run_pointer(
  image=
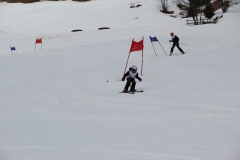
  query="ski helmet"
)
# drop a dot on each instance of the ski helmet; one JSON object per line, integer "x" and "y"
{"x": 134, "y": 67}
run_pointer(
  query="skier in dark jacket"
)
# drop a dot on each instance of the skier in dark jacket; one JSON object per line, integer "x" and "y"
{"x": 131, "y": 75}
{"x": 175, "y": 41}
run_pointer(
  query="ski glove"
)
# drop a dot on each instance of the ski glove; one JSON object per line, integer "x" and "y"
{"x": 140, "y": 79}
{"x": 123, "y": 79}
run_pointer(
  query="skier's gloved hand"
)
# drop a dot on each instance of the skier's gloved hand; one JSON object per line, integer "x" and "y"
{"x": 123, "y": 79}
{"x": 140, "y": 79}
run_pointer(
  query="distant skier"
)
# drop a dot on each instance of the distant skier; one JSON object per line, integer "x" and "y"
{"x": 175, "y": 41}
{"x": 131, "y": 75}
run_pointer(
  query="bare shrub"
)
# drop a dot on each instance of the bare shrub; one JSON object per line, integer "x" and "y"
{"x": 81, "y": 0}
{"x": 165, "y": 6}
{"x": 225, "y": 5}
{"x": 23, "y": 1}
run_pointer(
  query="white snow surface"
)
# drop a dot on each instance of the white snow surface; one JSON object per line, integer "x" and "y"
{"x": 56, "y": 104}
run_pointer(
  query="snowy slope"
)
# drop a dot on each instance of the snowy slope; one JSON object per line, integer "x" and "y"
{"x": 55, "y": 104}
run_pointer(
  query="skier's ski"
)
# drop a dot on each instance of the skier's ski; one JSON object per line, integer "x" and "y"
{"x": 128, "y": 92}
{"x": 132, "y": 92}
{"x": 138, "y": 91}
{"x": 177, "y": 54}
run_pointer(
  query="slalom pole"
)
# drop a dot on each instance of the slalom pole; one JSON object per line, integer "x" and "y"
{"x": 154, "y": 49}
{"x": 162, "y": 47}
{"x": 126, "y": 64}
{"x": 41, "y": 43}
{"x": 153, "y": 46}
{"x": 142, "y": 57}
{"x": 142, "y": 63}
{"x": 11, "y": 50}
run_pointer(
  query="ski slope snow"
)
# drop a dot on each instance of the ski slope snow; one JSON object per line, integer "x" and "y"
{"x": 56, "y": 104}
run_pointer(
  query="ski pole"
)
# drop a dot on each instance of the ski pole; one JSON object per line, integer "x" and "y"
{"x": 184, "y": 44}
{"x": 170, "y": 46}
{"x": 114, "y": 80}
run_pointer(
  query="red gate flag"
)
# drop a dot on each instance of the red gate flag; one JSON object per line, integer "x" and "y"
{"x": 38, "y": 40}
{"x": 136, "y": 46}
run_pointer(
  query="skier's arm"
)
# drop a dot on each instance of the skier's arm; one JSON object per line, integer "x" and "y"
{"x": 125, "y": 75}
{"x": 140, "y": 79}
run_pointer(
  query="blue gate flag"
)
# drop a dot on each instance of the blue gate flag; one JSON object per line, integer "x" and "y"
{"x": 153, "y": 39}
{"x": 13, "y": 48}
